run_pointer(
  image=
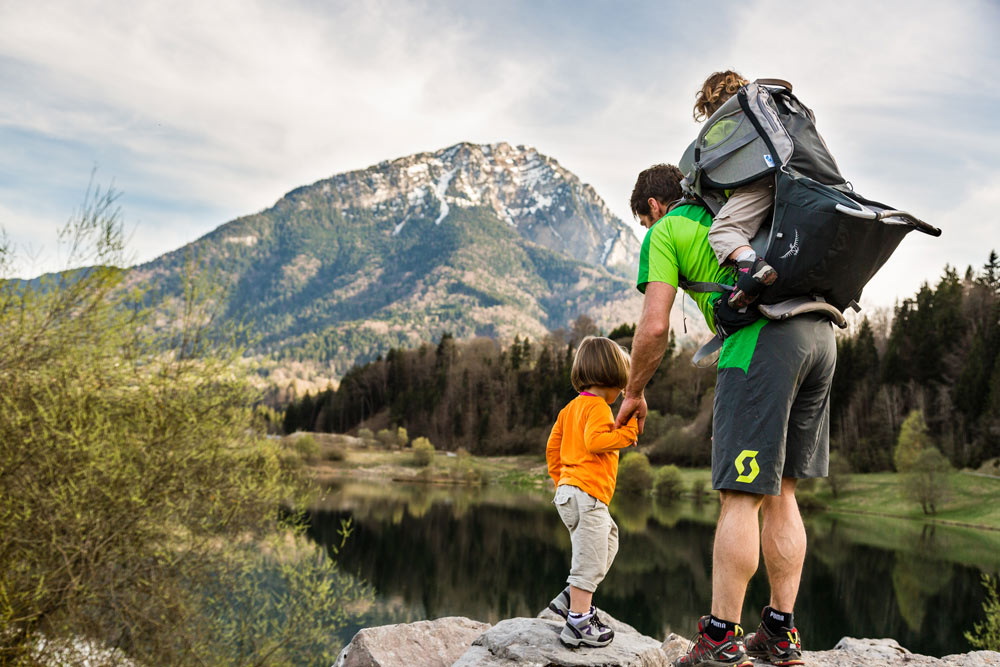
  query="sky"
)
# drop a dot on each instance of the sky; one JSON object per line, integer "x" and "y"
{"x": 199, "y": 112}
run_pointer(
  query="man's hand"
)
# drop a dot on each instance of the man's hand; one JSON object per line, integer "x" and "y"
{"x": 632, "y": 407}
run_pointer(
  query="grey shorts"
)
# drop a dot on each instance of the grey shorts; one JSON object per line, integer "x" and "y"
{"x": 772, "y": 404}
{"x": 592, "y": 532}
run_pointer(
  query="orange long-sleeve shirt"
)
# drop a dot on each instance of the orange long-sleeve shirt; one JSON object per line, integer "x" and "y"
{"x": 583, "y": 446}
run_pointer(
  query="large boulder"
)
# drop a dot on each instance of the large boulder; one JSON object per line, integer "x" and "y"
{"x": 436, "y": 643}
{"x": 534, "y": 642}
{"x": 850, "y": 652}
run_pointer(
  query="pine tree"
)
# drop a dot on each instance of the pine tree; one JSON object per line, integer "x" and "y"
{"x": 991, "y": 273}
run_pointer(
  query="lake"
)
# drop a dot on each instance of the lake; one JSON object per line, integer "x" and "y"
{"x": 491, "y": 553}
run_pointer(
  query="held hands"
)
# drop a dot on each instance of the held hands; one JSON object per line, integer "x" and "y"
{"x": 632, "y": 407}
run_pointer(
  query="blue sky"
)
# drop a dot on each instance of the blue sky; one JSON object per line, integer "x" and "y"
{"x": 201, "y": 112}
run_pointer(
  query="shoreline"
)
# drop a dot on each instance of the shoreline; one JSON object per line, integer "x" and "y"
{"x": 357, "y": 461}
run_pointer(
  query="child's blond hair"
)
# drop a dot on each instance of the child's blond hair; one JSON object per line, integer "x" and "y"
{"x": 718, "y": 88}
{"x": 599, "y": 362}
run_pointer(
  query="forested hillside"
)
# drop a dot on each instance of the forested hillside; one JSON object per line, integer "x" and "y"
{"x": 476, "y": 240}
{"x": 939, "y": 354}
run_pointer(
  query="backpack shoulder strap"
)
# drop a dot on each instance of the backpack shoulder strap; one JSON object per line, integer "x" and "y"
{"x": 775, "y": 82}
{"x": 689, "y": 286}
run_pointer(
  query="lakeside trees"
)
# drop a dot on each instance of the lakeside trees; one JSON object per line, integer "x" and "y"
{"x": 940, "y": 355}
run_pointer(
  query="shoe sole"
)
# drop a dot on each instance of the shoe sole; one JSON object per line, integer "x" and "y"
{"x": 773, "y": 660}
{"x": 573, "y": 642}
{"x": 778, "y": 663}
{"x": 588, "y": 645}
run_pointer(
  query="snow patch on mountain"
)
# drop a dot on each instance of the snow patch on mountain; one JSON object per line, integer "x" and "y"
{"x": 527, "y": 190}
{"x": 440, "y": 189}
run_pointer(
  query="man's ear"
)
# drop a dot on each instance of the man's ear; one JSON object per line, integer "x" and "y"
{"x": 656, "y": 209}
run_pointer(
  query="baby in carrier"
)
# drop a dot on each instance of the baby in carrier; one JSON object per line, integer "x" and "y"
{"x": 744, "y": 211}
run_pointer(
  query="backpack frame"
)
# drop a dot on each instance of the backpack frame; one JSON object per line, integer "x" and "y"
{"x": 825, "y": 240}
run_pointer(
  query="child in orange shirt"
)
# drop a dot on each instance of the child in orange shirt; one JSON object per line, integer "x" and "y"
{"x": 582, "y": 455}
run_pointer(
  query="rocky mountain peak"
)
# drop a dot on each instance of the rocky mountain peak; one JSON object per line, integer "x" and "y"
{"x": 528, "y": 190}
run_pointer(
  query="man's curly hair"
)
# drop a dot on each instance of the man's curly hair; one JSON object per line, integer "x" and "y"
{"x": 662, "y": 182}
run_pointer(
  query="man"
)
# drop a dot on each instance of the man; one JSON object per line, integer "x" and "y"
{"x": 770, "y": 425}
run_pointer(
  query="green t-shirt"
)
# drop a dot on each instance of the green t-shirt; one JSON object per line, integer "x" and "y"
{"x": 676, "y": 248}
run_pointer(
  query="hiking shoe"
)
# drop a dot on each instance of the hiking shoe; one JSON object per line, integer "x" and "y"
{"x": 752, "y": 277}
{"x": 560, "y": 603}
{"x": 589, "y": 632}
{"x": 709, "y": 653}
{"x": 782, "y": 648}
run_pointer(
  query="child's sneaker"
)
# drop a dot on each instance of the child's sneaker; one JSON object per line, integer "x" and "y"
{"x": 781, "y": 648}
{"x": 726, "y": 653}
{"x": 586, "y": 631}
{"x": 560, "y": 603}
{"x": 753, "y": 275}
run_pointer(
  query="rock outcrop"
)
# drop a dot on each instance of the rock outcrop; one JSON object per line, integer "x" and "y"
{"x": 437, "y": 643}
{"x": 534, "y": 642}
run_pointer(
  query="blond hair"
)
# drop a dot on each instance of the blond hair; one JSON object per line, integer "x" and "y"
{"x": 718, "y": 88}
{"x": 599, "y": 362}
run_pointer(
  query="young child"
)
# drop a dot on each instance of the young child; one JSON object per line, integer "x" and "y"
{"x": 582, "y": 455}
{"x": 744, "y": 211}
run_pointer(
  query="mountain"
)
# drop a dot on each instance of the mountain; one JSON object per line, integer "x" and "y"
{"x": 477, "y": 240}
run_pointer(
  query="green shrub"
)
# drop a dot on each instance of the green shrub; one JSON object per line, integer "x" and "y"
{"x": 678, "y": 444}
{"x": 698, "y": 489}
{"x": 386, "y": 438}
{"x": 635, "y": 475}
{"x": 423, "y": 452}
{"x": 986, "y": 635}
{"x": 136, "y": 502}
{"x": 366, "y": 436}
{"x": 667, "y": 483}
{"x": 402, "y": 438}
{"x": 306, "y": 447}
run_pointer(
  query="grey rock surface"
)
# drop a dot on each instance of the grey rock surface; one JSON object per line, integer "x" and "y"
{"x": 534, "y": 642}
{"x": 850, "y": 652}
{"x": 436, "y": 643}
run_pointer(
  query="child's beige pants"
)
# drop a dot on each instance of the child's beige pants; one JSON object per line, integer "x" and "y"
{"x": 593, "y": 533}
{"x": 740, "y": 217}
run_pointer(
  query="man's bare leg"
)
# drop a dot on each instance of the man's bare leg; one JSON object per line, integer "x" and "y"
{"x": 783, "y": 541}
{"x": 736, "y": 554}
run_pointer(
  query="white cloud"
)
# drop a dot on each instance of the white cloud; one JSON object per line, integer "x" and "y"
{"x": 205, "y": 111}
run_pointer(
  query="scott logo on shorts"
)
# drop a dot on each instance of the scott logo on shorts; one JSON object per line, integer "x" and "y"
{"x": 754, "y": 468}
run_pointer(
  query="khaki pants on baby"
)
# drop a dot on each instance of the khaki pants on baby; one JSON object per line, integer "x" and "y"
{"x": 741, "y": 217}
{"x": 593, "y": 533}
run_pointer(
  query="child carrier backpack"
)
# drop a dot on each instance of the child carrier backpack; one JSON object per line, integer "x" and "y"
{"x": 824, "y": 239}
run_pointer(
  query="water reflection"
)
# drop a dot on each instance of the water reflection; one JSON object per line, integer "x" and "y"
{"x": 491, "y": 553}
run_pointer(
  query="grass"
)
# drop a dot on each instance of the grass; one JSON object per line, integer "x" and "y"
{"x": 970, "y": 500}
